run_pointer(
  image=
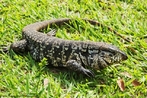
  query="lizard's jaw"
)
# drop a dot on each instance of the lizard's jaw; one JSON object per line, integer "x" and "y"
{"x": 120, "y": 57}
{"x": 109, "y": 58}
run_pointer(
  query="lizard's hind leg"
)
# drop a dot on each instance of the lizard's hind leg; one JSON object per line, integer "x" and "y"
{"x": 19, "y": 46}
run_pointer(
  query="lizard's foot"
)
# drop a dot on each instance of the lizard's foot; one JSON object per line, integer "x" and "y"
{"x": 87, "y": 72}
{"x": 52, "y": 32}
{"x": 75, "y": 66}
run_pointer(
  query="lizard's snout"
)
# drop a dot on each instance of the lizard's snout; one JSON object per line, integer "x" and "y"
{"x": 124, "y": 56}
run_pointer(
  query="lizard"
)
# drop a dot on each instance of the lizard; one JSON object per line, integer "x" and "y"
{"x": 78, "y": 56}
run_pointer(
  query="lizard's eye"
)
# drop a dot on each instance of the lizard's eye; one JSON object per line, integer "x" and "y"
{"x": 103, "y": 53}
{"x": 110, "y": 55}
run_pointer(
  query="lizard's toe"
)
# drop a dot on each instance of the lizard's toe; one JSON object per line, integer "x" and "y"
{"x": 88, "y": 73}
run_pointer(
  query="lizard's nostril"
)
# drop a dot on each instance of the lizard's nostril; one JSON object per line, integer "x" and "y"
{"x": 124, "y": 56}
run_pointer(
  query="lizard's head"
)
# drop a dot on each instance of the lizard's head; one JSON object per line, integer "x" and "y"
{"x": 110, "y": 57}
{"x": 107, "y": 55}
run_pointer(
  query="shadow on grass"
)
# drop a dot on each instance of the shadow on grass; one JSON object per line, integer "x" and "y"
{"x": 64, "y": 75}
{"x": 101, "y": 77}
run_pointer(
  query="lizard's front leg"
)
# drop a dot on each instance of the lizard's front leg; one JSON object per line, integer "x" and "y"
{"x": 75, "y": 66}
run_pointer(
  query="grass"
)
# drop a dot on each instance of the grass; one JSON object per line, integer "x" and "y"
{"x": 21, "y": 76}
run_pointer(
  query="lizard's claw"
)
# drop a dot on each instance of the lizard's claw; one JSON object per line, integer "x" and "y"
{"x": 88, "y": 73}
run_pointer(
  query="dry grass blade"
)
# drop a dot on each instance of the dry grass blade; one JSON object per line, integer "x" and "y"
{"x": 121, "y": 84}
{"x": 126, "y": 74}
{"x": 136, "y": 83}
{"x": 45, "y": 82}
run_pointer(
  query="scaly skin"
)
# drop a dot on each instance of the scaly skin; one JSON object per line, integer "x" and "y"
{"x": 75, "y": 55}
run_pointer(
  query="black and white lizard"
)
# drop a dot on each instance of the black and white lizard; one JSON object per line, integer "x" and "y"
{"x": 75, "y": 55}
